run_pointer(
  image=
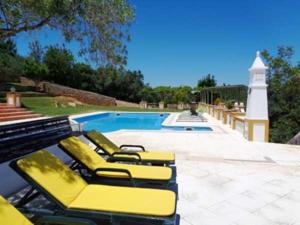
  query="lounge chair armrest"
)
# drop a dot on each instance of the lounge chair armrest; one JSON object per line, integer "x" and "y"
{"x": 142, "y": 148}
{"x": 127, "y": 153}
{"x": 63, "y": 220}
{"x": 116, "y": 170}
{"x": 123, "y": 159}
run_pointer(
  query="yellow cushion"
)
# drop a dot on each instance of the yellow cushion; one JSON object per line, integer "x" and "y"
{"x": 103, "y": 141}
{"x": 9, "y": 215}
{"x": 87, "y": 156}
{"x": 152, "y": 156}
{"x": 53, "y": 175}
{"x": 140, "y": 201}
{"x": 82, "y": 152}
{"x": 138, "y": 171}
{"x": 159, "y": 156}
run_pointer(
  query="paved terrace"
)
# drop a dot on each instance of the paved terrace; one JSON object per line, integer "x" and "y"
{"x": 226, "y": 180}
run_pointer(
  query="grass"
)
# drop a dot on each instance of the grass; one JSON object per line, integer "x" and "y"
{"x": 46, "y": 106}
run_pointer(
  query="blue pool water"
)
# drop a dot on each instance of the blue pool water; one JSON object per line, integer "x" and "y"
{"x": 107, "y": 122}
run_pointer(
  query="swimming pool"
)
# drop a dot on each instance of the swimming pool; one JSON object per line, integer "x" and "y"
{"x": 107, "y": 122}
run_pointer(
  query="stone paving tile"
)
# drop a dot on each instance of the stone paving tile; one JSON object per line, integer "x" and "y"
{"x": 294, "y": 196}
{"x": 250, "y": 202}
{"x": 253, "y": 219}
{"x": 195, "y": 215}
{"x": 184, "y": 222}
{"x": 284, "y": 210}
{"x": 264, "y": 174}
{"x": 191, "y": 168}
{"x": 215, "y": 180}
{"x": 281, "y": 212}
{"x": 242, "y": 196}
{"x": 230, "y": 212}
{"x": 202, "y": 193}
{"x": 277, "y": 186}
{"x": 230, "y": 169}
{"x": 225, "y": 180}
{"x": 293, "y": 181}
{"x": 203, "y": 198}
{"x": 261, "y": 195}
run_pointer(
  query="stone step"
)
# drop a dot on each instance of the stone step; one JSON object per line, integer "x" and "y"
{"x": 7, "y": 106}
{"x": 17, "y": 113}
{"x": 19, "y": 117}
{"x": 6, "y": 110}
{"x": 9, "y": 113}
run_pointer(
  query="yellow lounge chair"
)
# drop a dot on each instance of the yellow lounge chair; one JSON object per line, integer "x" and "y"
{"x": 119, "y": 154}
{"x": 74, "y": 197}
{"x": 99, "y": 168}
{"x": 9, "y": 215}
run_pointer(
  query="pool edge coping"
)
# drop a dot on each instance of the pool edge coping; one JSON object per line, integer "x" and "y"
{"x": 170, "y": 121}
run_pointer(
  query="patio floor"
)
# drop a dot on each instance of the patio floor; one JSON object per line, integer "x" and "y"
{"x": 225, "y": 180}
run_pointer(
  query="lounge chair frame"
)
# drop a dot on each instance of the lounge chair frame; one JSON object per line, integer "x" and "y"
{"x": 115, "y": 158}
{"x": 63, "y": 220}
{"x": 113, "y": 218}
{"x": 92, "y": 176}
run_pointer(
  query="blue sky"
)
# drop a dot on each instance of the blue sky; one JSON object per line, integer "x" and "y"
{"x": 176, "y": 42}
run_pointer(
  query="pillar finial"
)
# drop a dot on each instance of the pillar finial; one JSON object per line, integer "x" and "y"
{"x": 258, "y": 64}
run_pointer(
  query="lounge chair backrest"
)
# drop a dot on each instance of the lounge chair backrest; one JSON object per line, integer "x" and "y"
{"x": 9, "y": 215}
{"x": 51, "y": 174}
{"x": 103, "y": 142}
{"x": 82, "y": 152}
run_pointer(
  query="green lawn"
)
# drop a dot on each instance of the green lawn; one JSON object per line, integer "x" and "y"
{"x": 45, "y": 106}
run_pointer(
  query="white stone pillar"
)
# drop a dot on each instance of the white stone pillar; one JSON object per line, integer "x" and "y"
{"x": 161, "y": 105}
{"x": 257, "y": 119}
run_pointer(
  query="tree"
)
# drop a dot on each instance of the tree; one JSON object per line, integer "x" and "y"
{"x": 207, "y": 81}
{"x": 84, "y": 77}
{"x": 132, "y": 85}
{"x": 36, "y": 51}
{"x": 8, "y": 46}
{"x": 60, "y": 63}
{"x": 109, "y": 81}
{"x": 164, "y": 93}
{"x": 182, "y": 94}
{"x": 35, "y": 70}
{"x": 283, "y": 79}
{"x": 11, "y": 64}
{"x": 147, "y": 94}
{"x": 120, "y": 83}
{"x": 99, "y": 25}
